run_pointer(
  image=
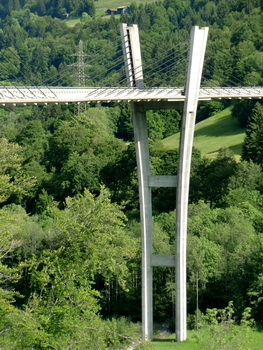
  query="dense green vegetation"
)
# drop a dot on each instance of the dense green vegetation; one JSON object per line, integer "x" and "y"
{"x": 69, "y": 216}
{"x": 54, "y": 8}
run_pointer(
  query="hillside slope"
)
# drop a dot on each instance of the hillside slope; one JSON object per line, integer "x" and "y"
{"x": 220, "y": 130}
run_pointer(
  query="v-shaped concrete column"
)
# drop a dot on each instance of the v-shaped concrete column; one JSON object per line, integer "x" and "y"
{"x": 133, "y": 65}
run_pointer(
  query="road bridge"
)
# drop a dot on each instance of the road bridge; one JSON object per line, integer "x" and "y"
{"x": 42, "y": 94}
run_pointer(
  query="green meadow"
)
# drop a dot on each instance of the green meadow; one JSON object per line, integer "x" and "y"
{"x": 219, "y": 131}
{"x": 101, "y": 6}
{"x": 71, "y": 22}
{"x": 252, "y": 339}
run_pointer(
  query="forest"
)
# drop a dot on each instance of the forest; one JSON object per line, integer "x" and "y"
{"x": 70, "y": 248}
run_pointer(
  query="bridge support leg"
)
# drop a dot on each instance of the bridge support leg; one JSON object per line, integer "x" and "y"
{"x": 143, "y": 165}
{"x": 195, "y": 66}
{"x": 134, "y": 74}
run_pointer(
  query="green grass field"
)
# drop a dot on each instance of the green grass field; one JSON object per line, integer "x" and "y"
{"x": 254, "y": 341}
{"x": 71, "y": 22}
{"x": 218, "y": 131}
{"x": 105, "y": 4}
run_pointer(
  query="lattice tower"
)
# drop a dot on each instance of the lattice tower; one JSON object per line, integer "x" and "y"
{"x": 80, "y": 107}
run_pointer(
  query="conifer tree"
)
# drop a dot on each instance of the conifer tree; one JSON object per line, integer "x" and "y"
{"x": 253, "y": 144}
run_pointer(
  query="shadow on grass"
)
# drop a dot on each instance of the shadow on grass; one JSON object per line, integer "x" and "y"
{"x": 223, "y": 126}
{"x": 236, "y": 149}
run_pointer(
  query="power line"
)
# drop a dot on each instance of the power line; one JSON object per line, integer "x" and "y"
{"x": 26, "y": 78}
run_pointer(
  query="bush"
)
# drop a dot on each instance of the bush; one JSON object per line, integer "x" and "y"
{"x": 225, "y": 333}
{"x": 208, "y": 109}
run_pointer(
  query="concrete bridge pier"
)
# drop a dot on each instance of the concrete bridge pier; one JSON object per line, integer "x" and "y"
{"x": 133, "y": 64}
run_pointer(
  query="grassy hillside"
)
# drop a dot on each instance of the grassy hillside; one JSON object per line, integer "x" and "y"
{"x": 220, "y": 130}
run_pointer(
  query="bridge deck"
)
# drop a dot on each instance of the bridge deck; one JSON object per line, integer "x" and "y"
{"x": 78, "y": 94}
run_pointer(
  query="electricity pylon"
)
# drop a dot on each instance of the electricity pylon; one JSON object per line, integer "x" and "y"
{"x": 80, "y": 107}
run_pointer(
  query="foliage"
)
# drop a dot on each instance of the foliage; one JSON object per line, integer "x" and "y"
{"x": 224, "y": 244}
{"x": 123, "y": 121}
{"x": 224, "y": 333}
{"x": 78, "y": 151}
{"x": 242, "y": 110}
{"x": 211, "y": 178}
{"x": 253, "y": 144}
{"x": 256, "y": 295}
{"x": 49, "y": 7}
{"x": 86, "y": 242}
{"x": 13, "y": 179}
{"x": 11, "y": 223}
{"x": 208, "y": 109}
{"x": 162, "y": 123}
